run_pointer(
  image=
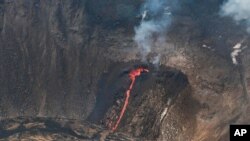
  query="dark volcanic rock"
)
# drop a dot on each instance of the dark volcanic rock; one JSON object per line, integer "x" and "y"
{"x": 62, "y": 60}
{"x": 46, "y": 48}
{"x": 48, "y": 129}
{"x": 154, "y": 94}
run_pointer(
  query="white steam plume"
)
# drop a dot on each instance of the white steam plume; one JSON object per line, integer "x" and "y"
{"x": 156, "y": 18}
{"x": 237, "y": 9}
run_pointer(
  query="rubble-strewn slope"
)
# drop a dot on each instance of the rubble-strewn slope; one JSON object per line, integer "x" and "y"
{"x": 49, "y": 129}
{"x": 55, "y": 54}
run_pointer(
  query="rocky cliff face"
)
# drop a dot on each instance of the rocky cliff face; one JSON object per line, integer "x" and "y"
{"x": 45, "y": 52}
{"x": 66, "y": 59}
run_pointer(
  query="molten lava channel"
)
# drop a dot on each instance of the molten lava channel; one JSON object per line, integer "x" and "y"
{"x": 132, "y": 75}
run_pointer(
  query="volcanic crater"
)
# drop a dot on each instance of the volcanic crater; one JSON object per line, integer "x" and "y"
{"x": 65, "y": 71}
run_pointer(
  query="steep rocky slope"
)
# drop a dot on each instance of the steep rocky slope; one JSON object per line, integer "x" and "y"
{"x": 68, "y": 59}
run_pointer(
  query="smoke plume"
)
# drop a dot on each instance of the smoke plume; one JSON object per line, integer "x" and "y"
{"x": 237, "y": 9}
{"x": 156, "y": 18}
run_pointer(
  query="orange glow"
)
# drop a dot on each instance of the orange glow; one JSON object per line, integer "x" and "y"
{"x": 132, "y": 75}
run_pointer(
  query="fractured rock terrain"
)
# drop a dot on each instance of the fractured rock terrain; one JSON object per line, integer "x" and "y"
{"x": 64, "y": 71}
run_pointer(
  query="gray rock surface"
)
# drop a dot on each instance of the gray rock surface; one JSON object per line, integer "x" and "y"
{"x": 55, "y": 54}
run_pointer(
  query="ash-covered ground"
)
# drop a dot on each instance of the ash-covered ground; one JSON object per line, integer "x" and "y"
{"x": 64, "y": 69}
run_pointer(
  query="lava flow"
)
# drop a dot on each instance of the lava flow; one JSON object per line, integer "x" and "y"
{"x": 132, "y": 75}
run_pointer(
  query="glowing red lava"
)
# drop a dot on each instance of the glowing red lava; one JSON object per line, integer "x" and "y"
{"x": 132, "y": 75}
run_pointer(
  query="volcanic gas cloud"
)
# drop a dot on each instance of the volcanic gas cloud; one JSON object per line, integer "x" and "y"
{"x": 132, "y": 75}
